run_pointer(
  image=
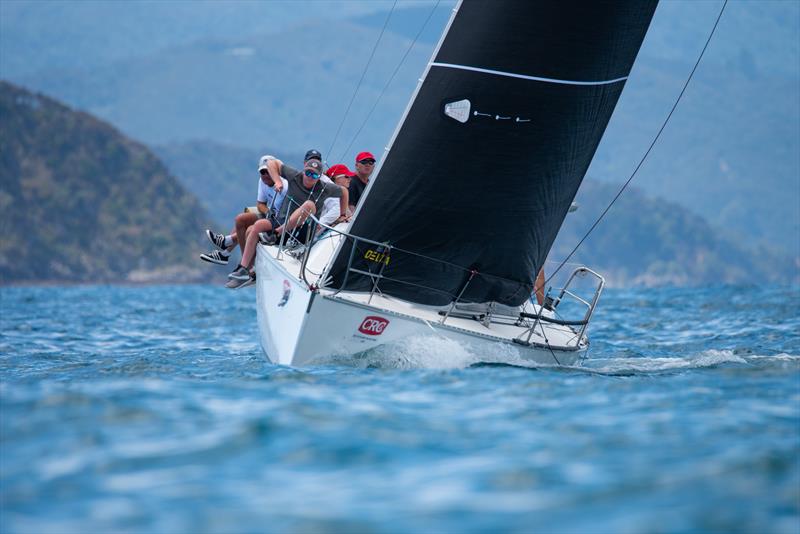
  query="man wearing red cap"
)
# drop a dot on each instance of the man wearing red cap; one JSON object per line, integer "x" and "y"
{"x": 267, "y": 202}
{"x": 365, "y": 163}
{"x": 331, "y": 212}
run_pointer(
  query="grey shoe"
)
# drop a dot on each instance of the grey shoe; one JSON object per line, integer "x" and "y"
{"x": 235, "y": 283}
{"x": 291, "y": 243}
{"x": 267, "y": 238}
{"x": 217, "y": 256}
{"x": 218, "y": 240}
{"x": 297, "y": 251}
{"x": 240, "y": 273}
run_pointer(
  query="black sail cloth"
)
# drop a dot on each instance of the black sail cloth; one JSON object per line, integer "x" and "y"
{"x": 484, "y": 193}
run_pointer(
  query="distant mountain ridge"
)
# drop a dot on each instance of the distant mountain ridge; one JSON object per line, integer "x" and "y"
{"x": 82, "y": 203}
{"x": 642, "y": 241}
{"x": 731, "y": 152}
{"x": 283, "y": 90}
{"x": 129, "y": 30}
{"x": 79, "y": 202}
{"x": 646, "y": 241}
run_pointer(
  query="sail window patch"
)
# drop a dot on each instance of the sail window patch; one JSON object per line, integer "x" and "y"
{"x": 458, "y": 110}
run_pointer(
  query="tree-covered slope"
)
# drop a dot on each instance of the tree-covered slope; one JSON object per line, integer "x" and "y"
{"x": 650, "y": 241}
{"x": 80, "y": 202}
{"x": 642, "y": 241}
{"x": 730, "y": 153}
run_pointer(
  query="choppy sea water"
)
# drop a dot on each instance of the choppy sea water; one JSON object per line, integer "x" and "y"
{"x": 153, "y": 410}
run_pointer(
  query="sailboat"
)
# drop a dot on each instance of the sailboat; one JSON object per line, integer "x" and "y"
{"x": 469, "y": 195}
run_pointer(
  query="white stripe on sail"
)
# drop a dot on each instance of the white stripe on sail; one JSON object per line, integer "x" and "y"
{"x": 525, "y": 77}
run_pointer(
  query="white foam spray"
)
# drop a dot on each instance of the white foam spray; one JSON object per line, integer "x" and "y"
{"x": 437, "y": 352}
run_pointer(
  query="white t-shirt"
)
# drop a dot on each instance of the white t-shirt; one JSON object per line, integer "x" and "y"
{"x": 330, "y": 208}
{"x": 266, "y": 193}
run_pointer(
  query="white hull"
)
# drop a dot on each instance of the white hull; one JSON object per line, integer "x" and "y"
{"x": 298, "y": 325}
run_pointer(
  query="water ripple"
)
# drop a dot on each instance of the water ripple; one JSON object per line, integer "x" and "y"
{"x": 152, "y": 410}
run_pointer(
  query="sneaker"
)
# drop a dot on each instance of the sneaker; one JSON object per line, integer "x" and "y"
{"x": 218, "y": 240}
{"x": 291, "y": 243}
{"x": 239, "y": 274}
{"x": 217, "y": 256}
{"x": 297, "y": 251}
{"x": 235, "y": 283}
{"x": 267, "y": 238}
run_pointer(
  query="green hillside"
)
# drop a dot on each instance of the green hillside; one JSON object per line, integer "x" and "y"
{"x": 651, "y": 242}
{"x": 642, "y": 241}
{"x": 729, "y": 154}
{"x": 82, "y": 203}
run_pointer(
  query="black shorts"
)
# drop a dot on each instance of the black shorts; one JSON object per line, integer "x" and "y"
{"x": 273, "y": 220}
{"x": 300, "y": 233}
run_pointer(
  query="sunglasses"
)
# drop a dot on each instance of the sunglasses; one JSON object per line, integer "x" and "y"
{"x": 263, "y": 172}
{"x": 313, "y": 175}
{"x": 367, "y": 162}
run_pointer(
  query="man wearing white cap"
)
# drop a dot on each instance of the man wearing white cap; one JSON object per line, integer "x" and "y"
{"x": 269, "y": 202}
{"x": 307, "y": 190}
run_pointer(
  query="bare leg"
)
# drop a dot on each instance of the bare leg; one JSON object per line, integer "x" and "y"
{"x": 538, "y": 286}
{"x": 243, "y": 222}
{"x": 298, "y": 217}
{"x": 249, "y": 253}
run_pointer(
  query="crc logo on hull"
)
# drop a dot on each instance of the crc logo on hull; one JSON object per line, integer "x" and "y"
{"x": 373, "y": 325}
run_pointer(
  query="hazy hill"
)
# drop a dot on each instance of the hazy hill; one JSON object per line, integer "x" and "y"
{"x": 731, "y": 152}
{"x": 280, "y": 74}
{"x": 649, "y": 241}
{"x": 224, "y": 178}
{"x": 283, "y": 90}
{"x": 39, "y": 35}
{"x": 80, "y": 202}
{"x": 642, "y": 241}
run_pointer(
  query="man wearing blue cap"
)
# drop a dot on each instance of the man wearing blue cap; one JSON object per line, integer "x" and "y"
{"x": 265, "y": 204}
{"x": 307, "y": 191}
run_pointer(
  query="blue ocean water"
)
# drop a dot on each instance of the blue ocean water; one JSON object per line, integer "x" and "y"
{"x": 152, "y": 409}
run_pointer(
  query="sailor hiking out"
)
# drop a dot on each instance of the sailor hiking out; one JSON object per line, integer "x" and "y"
{"x": 305, "y": 189}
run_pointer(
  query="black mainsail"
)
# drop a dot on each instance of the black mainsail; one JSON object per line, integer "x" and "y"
{"x": 493, "y": 148}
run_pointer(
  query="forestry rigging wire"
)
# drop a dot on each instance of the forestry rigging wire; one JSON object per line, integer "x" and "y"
{"x": 675, "y": 105}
